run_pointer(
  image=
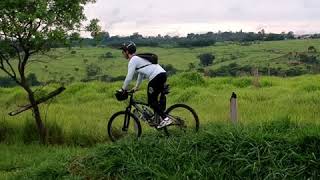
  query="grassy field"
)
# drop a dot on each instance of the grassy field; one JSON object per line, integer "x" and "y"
{"x": 278, "y": 136}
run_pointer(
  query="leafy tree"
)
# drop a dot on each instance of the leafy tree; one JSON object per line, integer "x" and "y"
{"x": 28, "y": 27}
{"x": 96, "y": 32}
{"x": 206, "y": 59}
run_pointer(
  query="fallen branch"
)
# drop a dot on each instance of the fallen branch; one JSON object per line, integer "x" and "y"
{"x": 39, "y": 101}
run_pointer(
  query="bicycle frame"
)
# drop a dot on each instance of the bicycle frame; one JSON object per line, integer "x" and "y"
{"x": 135, "y": 104}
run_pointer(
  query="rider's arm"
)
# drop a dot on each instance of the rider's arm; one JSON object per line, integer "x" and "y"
{"x": 131, "y": 70}
{"x": 139, "y": 80}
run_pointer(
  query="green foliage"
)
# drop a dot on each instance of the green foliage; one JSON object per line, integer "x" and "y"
{"x": 55, "y": 133}
{"x": 5, "y": 130}
{"x": 30, "y": 131}
{"x": 308, "y": 59}
{"x": 108, "y": 55}
{"x": 311, "y": 87}
{"x": 218, "y": 152}
{"x": 230, "y": 70}
{"x": 7, "y": 82}
{"x": 46, "y": 21}
{"x": 188, "y": 80}
{"x": 169, "y": 69}
{"x": 32, "y": 79}
{"x": 312, "y": 49}
{"x": 295, "y": 71}
{"x": 206, "y": 59}
{"x": 266, "y": 83}
{"x": 242, "y": 83}
{"x": 94, "y": 27}
{"x": 92, "y": 70}
{"x": 201, "y": 42}
{"x": 185, "y": 96}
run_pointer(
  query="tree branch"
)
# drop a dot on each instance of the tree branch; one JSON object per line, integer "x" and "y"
{"x": 41, "y": 100}
{"x": 11, "y": 68}
{"x": 2, "y": 67}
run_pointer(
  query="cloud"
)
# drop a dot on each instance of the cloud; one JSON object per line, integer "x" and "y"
{"x": 147, "y": 15}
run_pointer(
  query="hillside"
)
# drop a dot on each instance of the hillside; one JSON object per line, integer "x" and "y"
{"x": 280, "y": 58}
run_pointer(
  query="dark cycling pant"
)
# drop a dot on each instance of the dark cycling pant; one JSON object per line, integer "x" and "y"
{"x": 155, "y": 87}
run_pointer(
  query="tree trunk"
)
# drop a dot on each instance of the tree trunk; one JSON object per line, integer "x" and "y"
{"x": 36, "y": 113}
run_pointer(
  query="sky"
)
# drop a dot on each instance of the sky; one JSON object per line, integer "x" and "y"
{"x": 180, "y": 17}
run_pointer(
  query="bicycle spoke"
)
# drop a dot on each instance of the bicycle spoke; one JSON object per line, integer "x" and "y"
{"x": 184, "y": 120}
{"x": 118, "y": 128}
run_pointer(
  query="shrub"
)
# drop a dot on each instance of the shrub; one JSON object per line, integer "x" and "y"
{"x": 295, "y": 71}
{"x": 7, "y": 82}
{"x": 32, "y": 79}
{"x": 308, "y": 59}
{"x": 108, "y": 55}
{"x": 206, "y": 59}
{"x": 170, "y": 69}
{"x": 92, "y": 70}
{"x": 312, "y": 49}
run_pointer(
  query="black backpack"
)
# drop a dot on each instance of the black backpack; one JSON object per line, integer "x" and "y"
{"x": 152, "y": 58}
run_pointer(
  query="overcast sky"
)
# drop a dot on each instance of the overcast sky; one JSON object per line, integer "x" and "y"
{"x": 179, "y": 17}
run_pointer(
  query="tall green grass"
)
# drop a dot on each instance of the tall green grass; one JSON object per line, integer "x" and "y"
{"x": 277, "y": 137}
{"x": 280, "y": 149}
{"x": 80, "y": 114}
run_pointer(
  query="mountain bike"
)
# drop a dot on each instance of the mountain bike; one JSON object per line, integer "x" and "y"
{"x": 127, "y": 123}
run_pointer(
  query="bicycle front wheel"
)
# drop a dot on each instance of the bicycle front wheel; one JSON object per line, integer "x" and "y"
{"x": 185, "y": 119}
{"x": 123, "y": 124}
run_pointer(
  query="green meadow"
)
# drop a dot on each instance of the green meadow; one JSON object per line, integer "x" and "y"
{"x": 278, "y": 135}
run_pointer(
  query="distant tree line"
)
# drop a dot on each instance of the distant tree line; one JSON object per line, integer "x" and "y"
{"x": 102, "y": 38}
{"x": 191, "y": 40}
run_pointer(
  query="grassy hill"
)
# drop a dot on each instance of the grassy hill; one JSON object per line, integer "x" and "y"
{"x": 280, "y": 57}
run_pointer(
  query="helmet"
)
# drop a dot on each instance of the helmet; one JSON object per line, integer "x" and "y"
{"x": 121, "y": 96}
{"x": 129, "y": 46}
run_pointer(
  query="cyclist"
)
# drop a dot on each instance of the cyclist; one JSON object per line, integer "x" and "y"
{"x": 154, "y": 72}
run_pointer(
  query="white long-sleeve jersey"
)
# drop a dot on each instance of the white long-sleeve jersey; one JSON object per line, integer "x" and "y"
{"x": 150, "y": 71}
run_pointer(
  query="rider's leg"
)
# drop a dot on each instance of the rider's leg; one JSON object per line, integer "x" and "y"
{"x": 155, "y": 87}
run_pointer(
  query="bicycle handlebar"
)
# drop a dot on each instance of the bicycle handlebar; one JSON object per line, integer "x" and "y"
{"x": 131, "y": 92}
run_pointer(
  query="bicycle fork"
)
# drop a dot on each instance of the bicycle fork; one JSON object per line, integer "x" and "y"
{"x": 126, "y": 120}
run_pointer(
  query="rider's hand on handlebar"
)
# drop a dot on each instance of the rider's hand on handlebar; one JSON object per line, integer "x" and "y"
{"x": 121, "y": 90}
{"x": 135, "y": 89}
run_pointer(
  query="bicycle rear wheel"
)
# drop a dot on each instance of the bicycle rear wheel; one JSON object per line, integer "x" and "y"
{"x": 185, "y": 119}
{"x": 123, "y": 124}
